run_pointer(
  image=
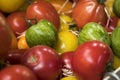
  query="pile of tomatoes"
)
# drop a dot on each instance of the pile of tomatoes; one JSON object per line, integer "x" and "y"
{"x": 67, "y": 60}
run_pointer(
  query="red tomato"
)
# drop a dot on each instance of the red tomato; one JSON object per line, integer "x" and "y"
{"x": 90, "y": 60}
{"x": 42, "y": 9}
{"x": 17, "y": 72}
{"x": 44, "y": 61}
{"x": 89, "y": 11}
{"x": 5, "y": 36}
{"x": 17, "y": 22}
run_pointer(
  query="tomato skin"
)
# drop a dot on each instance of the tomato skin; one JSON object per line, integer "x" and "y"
{"x": 17, "y": 22}
{"x": 8, "y": 6}
{"x": 89, "y": 11}
{"x": 5, "y": 36}
{"x": 44, "y": 61}
{"x": 43, "y": 10}
{"x": 90, "y": 60}
{"x": 17, "y": 72}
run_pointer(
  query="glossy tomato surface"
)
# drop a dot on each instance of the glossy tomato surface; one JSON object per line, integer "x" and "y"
{"x": 90, "y": 60}
{"x": 89, "y": 11}
{"x": 42, "y": 9}
{"x": 5, "y": 35}
{"x": 17, "y": 72}
{"x": 17, "y": 21}
{"x": 44, "y": 61}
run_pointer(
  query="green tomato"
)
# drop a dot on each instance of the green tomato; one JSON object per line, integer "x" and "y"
{"x": 116, "y": 7}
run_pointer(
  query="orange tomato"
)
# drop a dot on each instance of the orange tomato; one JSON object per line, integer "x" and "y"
{"x": 22, "y": 44}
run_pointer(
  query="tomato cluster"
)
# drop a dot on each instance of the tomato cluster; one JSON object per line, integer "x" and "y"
{"x": 73, "y": 39}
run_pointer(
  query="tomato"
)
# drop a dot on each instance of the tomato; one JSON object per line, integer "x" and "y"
{"x": 116, "y": 62}
{"x": 66, "y": 59}
{"x": 8, "y": 6}
{"x": 67, "y": 41}
{"x": 17, "y": 72}
{"x": 69, "y": 78}
{"x": 44, "y": 61}
{"x": 22, "y": 44}
{"x": 109, "y": 7}
{"x": 14, "y": 56}
{"x": 17, "y": 22}
{"x": 5, "y": 36}
{"x": 90, "y": 60}
{"x": 43, "y": 10}
{"x": 89, "y": 11}
{"x": 62, "y": 6}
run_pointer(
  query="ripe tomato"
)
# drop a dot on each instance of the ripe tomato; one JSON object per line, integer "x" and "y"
{"x": 5, "y": 36}
{"x": 62, "y": 6}
{"x": 67, "y": 41}
{"x": 17, "y": 72}
{"x": 17, "y": 22}
{"x": 89, "y": 11}
{"x": 8, "y": 6}
{"x": 90, "y": 60}
{"x": 44, "y": 61}
{"x": 42, "y": 9}
{"x": 22, "y": 44}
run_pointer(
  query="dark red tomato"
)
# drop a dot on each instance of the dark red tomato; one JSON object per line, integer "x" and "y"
{"x": 17, "y": 72}
{"x": 91, "y": 59}
{"x": 5, "y": 36}
{"x": 17, "y": 22}
{"x": 44, "y": 61}
{"x": 89, "y": 11}
{"x": 42, "y": 9}
{"x": 14, "y": 56}
{"x": 112, "y": 24}
{"x": 66, "y": 59}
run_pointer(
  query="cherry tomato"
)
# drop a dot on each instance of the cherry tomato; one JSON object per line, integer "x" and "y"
{"x": 42, "y": 9}
{"x": 67, "y": 41}
{"x": 69, "y": 78}
{"x": 22, "y": 44}
{"x": 90, "y": 60}
{"x": 116, "y": 62}
{"x": 44, "y": 61}
{"x": 8, "y": 6}
{"x": 5, "y": 36}
{"x": 62, "y": 6}
{"x": 17, "y": 21}
{"x": 89, "y": 11}
{"x": 17, "y": 72}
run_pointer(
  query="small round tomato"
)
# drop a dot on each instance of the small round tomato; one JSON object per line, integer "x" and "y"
{"x": 67, "y": 41}
{"x": 42, "y": 9}
{"x": 17, "y": 22}
{"x": 116, "y": 62}
{"x": 62, "y": 6}
{"x": 69, "y": 78}
{"x": 90, "y": 60}
{"x": 17, "y": 72}
{"x": 89, "y": 11}
{"x": 22, "y": 44}
{"x": 8, "y": 6}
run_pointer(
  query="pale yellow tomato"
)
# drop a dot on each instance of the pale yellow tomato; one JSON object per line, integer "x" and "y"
{"x": 116, "y": 62}
{"x": 69, "y": 78}
{"x": 67, "y": 41}
{"x": 9, "y": 6}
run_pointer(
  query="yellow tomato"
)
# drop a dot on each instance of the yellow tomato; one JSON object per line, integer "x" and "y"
{"x": 9, "y": 6}
{"x": 69, "y": 78}
{"x": 22, "y": 44}
{"x": 109, "y": 7}
{"x": 118, "y": 23}
{"x": 116, "y": 62}
{"x": 67, "y": 41}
